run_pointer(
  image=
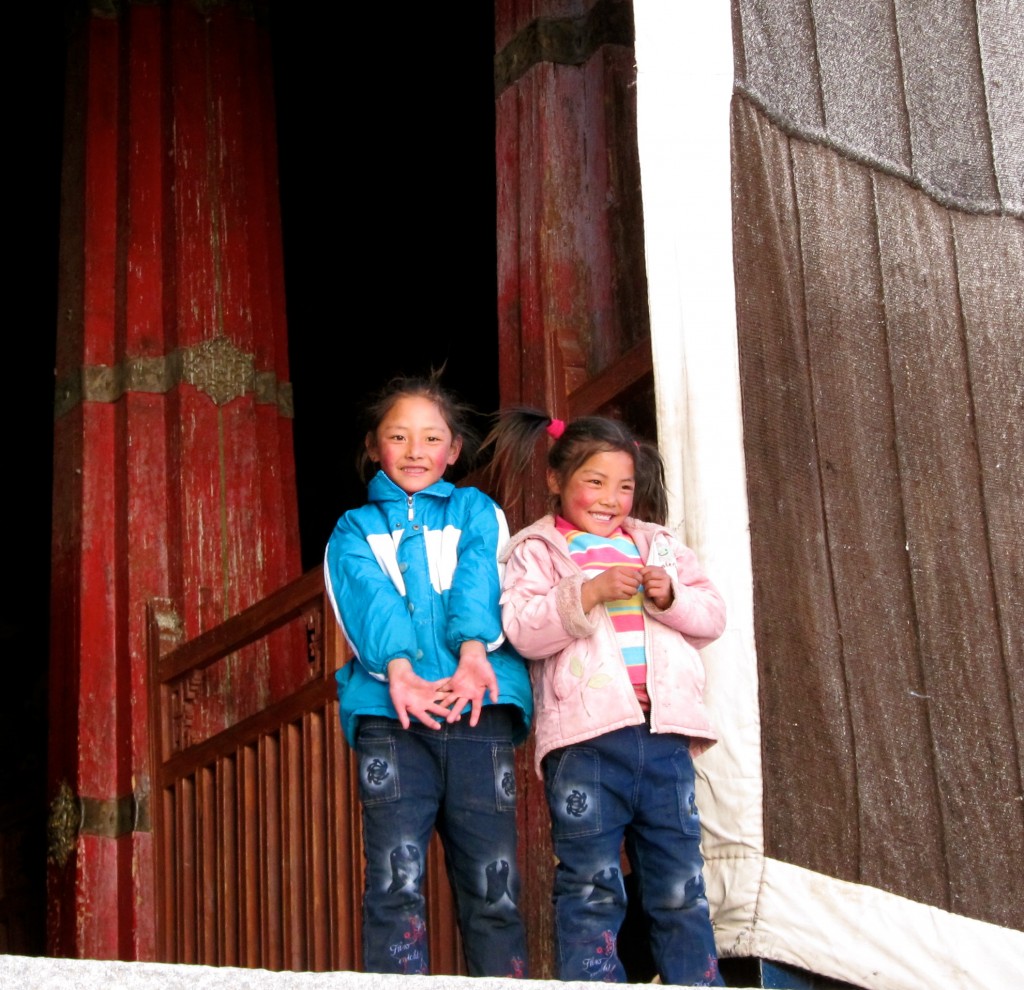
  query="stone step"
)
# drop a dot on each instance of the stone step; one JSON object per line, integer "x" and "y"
{"x": 40, "y": 973}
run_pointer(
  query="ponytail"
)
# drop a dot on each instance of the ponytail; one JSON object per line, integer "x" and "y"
{"x": 514, "y": 438}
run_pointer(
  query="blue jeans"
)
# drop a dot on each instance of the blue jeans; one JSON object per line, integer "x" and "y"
{"x": 637, "y": 787}
{"x": 461, "y": 781}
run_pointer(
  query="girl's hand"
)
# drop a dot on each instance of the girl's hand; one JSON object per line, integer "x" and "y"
{"x": 657, "y": 586}
{"x": 473, "y": 679}
{"x": 612, "y": 585}
{"x": 412, "y": 695}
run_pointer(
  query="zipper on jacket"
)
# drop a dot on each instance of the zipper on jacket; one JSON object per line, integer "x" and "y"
{"x": 652, "y": 722}
{"x": 411, "y": 513}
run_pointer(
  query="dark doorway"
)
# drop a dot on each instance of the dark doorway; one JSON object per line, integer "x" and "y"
{"x": 34, "y": 82}
{"x": 387, "y": 177}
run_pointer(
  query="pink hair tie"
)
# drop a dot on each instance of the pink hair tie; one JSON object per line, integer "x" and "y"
{"x": 556, "y": 428}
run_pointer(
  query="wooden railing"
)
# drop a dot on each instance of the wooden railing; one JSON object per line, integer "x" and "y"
{"x": 257, "y": 831}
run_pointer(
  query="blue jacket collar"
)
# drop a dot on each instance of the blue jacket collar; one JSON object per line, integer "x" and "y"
{"x": 383, "y": 489}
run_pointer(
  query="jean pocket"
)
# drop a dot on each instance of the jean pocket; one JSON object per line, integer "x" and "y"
{"x": 689, "y": 818}
{"x": 378, "y": 769}
{"x": 572, "y": 782}
{"x": 504, "y": 761}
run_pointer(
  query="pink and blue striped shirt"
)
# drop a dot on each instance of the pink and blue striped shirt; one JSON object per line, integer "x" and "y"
{"x": 595, "y": 554}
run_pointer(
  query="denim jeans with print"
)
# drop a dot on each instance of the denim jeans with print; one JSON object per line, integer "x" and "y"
{"x": 637, "y": 787}
{"x": 461, "y": 781}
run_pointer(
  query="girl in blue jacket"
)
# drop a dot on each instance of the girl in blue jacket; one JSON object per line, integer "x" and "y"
{"x": 434, "y": 700}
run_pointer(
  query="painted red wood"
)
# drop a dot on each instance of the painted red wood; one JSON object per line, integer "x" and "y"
{"x": 103, "y": 107}
{"x": 147, "y": 322}
{"x": 147, "y": 486}
{"x": 93, "y": 767}
{"x": 174, "y": 471}
{"x": 90, "y": 545}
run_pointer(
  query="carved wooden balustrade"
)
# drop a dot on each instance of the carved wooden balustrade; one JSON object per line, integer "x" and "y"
{"x": 257, "y": 831}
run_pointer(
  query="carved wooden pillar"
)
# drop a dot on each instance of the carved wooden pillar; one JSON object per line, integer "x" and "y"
{"x": 173, "y": 460}
{"x": 572, "y": 300}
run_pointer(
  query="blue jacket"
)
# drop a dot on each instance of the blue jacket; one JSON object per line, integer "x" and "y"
{"x": 416, "y": 576}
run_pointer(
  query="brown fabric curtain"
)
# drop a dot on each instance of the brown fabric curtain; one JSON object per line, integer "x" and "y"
{"x": 878, "y": 175}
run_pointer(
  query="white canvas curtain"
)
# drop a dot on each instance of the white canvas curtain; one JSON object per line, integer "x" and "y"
{"x": 762, "y": 907}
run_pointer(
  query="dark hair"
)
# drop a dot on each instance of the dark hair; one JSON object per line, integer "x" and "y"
{"x": 514, "y": 439}
{"x": 456, "y": 414}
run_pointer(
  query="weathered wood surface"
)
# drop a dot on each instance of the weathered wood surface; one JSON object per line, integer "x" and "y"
{"x": 173, "y": 464}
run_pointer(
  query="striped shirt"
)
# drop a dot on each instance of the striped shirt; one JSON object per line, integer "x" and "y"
{"x": 594, "y": 555}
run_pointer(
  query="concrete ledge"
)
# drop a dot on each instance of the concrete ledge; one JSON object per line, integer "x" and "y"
{"x": 38, "y": 973}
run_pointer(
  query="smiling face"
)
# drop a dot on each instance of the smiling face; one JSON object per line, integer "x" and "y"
{"x": 413, "y": 444}
{"x": 599, "y": 493}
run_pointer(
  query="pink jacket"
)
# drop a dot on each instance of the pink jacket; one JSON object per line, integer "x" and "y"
{"x": 582, "y": 690}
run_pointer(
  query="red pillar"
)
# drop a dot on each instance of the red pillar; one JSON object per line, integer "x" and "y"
{"x": 173, "y": 461}
{"x": 572, "y": 305}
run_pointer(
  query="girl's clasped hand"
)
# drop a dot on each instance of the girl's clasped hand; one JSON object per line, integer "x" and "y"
{"x": 619, "y": 583}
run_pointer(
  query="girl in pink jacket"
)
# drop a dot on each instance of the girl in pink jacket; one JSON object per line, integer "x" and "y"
{"x": 613, "y": 609}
